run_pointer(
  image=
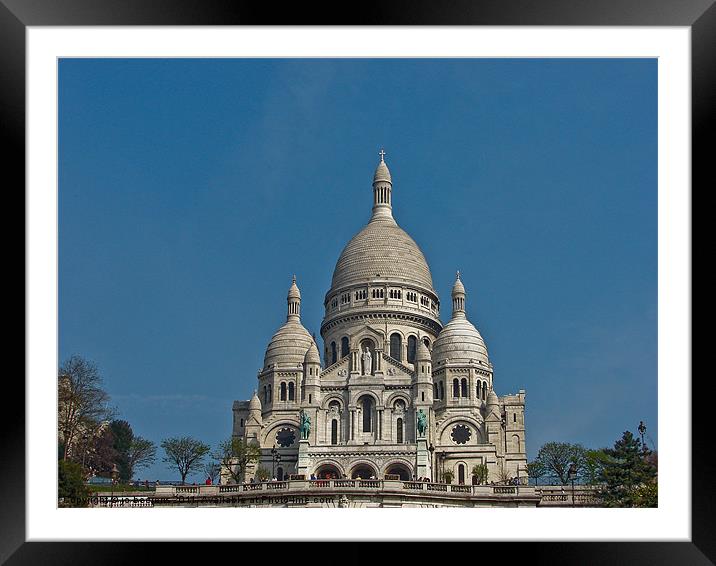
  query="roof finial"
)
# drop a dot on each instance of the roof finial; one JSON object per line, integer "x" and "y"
{"x": 294, "y": 277}
{"x": 382, "y": 155}
{"x": 458, "y": 274}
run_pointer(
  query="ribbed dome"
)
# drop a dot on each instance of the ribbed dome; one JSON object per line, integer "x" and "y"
{"x": 288, "y": 346}
{"x": 382, "y": 249}
{"x": 459, "y": 341}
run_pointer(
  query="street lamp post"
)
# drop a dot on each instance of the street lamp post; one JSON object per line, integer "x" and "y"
{"x": 572, "y": 475}
{"x": 275, "y": 459}
{"x": 431, "y": 448}
{"x": 642, "y": 430}
{"x": 115, "y": 474}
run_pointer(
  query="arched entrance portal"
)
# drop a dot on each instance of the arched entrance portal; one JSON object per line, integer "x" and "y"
{"x": 399, "y": 470}
{"x": 328, "y": 472}
{"x": 363, "y": 471}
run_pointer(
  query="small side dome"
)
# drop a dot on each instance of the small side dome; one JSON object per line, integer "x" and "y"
{"x": 255, "y": 403}
{"x": 288, "y": 346}
{"x": 492, "y": 399}
{"x": 422, "y": 354}
{"x": 459, "y": 341}
{"x": 312, "y": 356}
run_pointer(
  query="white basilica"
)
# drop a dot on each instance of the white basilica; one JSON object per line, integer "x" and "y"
{"x": 399, "y": 393}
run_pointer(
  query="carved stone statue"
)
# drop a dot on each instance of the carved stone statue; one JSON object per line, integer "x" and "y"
{"x": 422, "y": 422}
{"x": 367, "y": 362}
{"x": 305, "y": 427}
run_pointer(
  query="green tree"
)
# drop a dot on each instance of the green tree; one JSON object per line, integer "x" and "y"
{"x": 480, "y": 473}
{"x": 593, "y": 463}
{"x": 71, "y": 488}
{"x": 629, "y": 474}
{"x": 235, "y": 455}
{"x": 142, "y": 453}
{"x": 536, "y": 470}
{"x": 556, "y": 458}
{"x": 185, "y": 453}
{"x": 123, "y": 435}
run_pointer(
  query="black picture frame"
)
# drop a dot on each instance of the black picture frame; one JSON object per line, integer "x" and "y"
{"x": 699, "y": 15}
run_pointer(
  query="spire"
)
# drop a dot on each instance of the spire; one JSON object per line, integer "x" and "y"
{"x": 294, "y": 301}
{"x": 458, "y": 298}
{"x": 382, "y": 189}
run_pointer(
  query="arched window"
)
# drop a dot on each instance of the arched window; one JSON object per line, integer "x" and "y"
{"x": 279, "y": 473}
{"x": 242, "y": 422}
{"x": 334, "y": 431}
{"x": 265, "y": 394}
{"x": 367, "y": 410}
{"x": 484, "y": 390}
{"x": 396, "y": 345}
{"x": 426, "y": 341}
{"x": 334, "y": 353}
{"x": 435, "y": 390}
{"x": 412, "y": 345}
{"x": 461, "y": 474}
{"x": 291, "y": 391}
{"x": 515, "y": 443}
{"x": 478, "y": 389}
{"x": 345, "y": 350}
{"x": 399, "y": 431}
{"x": 442, "y": 390}
{"x": 455, "y": 387}
{"x": 464, "y": 387}
{"x": 282, "y": 396}
{"x": 270, "y": 392}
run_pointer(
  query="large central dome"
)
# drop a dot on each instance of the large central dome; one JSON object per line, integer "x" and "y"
{"x": 382, "y": 250}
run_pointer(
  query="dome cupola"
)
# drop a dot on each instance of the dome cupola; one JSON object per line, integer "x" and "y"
{"x": 459, "y": 341}
{"x": 289, "y": 344}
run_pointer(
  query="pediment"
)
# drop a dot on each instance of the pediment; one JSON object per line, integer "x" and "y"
{"x": 393, "y": 368}
{"x": 339, "y": 370}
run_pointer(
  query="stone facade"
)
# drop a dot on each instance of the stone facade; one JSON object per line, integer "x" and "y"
{"x": 388, "y": 364}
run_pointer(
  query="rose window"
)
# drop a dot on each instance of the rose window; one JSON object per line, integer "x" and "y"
{"x": 460, "y": 434}
{"x": 285, "y": 437}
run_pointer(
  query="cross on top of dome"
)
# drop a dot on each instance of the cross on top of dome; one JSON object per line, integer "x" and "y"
{"x": 382, "y": 155}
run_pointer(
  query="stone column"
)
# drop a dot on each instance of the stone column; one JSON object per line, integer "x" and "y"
{"x": 353, "y": 424}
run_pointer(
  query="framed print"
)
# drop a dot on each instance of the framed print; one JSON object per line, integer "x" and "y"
{"x": 187, "y": 169}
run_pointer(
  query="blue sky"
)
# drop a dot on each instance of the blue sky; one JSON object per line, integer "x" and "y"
{"x": 191, "y": 190}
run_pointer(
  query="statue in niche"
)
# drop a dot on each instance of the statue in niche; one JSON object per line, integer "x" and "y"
{"x": 367, "y": 362}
